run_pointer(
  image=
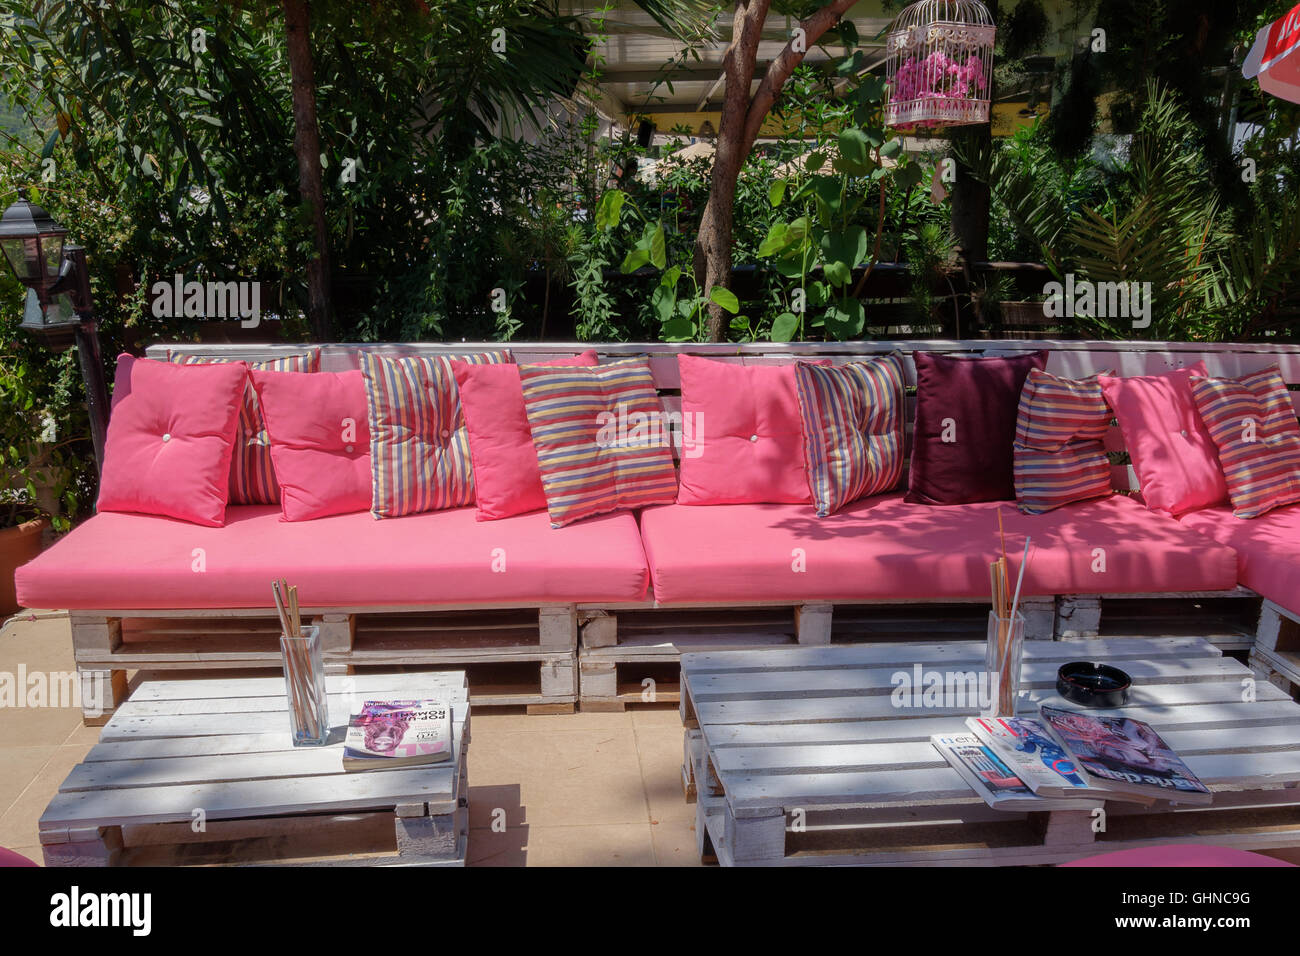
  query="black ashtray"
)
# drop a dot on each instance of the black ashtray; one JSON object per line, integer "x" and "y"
{"x": 1093, "y": 685}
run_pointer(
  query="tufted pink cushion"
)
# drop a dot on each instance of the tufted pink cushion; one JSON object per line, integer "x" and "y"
{"x": 743, "y": 437}
{"x": 170, "y": 439}
{"x": 320, "y": 441}
{"x": 506, "y": 479}
{"x": 1172, "y": 452}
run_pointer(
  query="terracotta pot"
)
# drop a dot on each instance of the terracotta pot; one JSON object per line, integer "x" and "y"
{"x": 17, "y": 546}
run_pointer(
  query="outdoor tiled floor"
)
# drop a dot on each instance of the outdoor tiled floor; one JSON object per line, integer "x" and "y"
{"x": 585, "y": 789}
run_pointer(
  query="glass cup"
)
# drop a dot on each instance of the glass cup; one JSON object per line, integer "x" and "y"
{"x": 1003, "y": 652}
{"x": 304, "y": 688}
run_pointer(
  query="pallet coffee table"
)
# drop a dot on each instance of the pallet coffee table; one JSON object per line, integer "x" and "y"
{"x": 800, "y": 757}
{"x": 202, "y": 771}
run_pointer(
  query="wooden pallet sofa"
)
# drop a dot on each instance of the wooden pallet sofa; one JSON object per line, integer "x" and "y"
{"x": 599, "y": 611}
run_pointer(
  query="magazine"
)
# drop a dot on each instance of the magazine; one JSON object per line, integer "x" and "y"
{"x": 988, "y": 774}
{"x": 1125, "y": 755}
{"x": 1031, "y": 751}
{"x": 398, "y": 733}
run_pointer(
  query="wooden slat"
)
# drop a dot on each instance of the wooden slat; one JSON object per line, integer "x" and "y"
{"x": 848, "y": 680}
{"x": 247, "y": 798}
{"x": 1155, "y": 703}
{"x": 953, "y": 653}
{"x": 312, "y": 762}
{"x": 201, "y": 689}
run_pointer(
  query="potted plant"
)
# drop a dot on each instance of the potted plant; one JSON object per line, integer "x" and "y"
{"x": 46, "y": 462}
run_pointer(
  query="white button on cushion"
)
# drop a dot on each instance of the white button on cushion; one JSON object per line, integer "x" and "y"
{"x": 348, "y": 449}
{"x": 753, "y": 438}
{"x": 167, "y": 436}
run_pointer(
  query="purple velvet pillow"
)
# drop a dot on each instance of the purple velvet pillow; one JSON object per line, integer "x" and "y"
{"x": 965, "y": 427}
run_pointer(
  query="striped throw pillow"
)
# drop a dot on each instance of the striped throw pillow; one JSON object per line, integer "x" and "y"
{"x": 1059, "y": 454}
{"x": 419, "y": 445}
{"x": 601, "y": 437}
{"x": 1253, "y": 425}
{"x": 252, "y": 475}
{"x": 852, "y": 429}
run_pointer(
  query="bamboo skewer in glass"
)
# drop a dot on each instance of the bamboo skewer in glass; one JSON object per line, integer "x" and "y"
{"x": 304, "y": 675}
{"x": 1006, "y": 633}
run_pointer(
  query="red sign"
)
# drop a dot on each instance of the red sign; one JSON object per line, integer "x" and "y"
{"x": 1274, "y": 58}
{"x": 1283, "y": 38}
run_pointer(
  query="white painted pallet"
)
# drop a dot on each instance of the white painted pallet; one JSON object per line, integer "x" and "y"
{"x": 219, "y": 751}
{"x": 799, "y": 756}
{"x": 516, "y": 656}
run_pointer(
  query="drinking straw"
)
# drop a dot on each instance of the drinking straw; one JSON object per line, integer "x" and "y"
{"x": 1020, "y": 578}
{"x": 290, "y": 670}
{"x": 1006, "y": 702}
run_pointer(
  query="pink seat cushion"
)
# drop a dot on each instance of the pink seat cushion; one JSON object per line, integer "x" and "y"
{"x": 121, "y": 561}
{"x": 883, "y": 547}
{"x": 1268, "y": 549}
{"x": 1179, "y": 854}
{"x": 10, "y": 858}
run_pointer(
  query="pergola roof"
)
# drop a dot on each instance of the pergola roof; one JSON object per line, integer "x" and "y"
{"x": 640, "y": 60}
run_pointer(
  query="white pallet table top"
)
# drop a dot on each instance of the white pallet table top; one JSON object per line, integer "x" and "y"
{"x": 223, "y": 747}
{"x": 816, "y": 727}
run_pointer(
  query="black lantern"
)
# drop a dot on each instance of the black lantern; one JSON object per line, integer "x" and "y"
{"x": 59, "y": 310}
{"x": 32, "y": 242}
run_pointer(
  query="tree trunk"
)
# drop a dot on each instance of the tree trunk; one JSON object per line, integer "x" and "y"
{"x": 713, "y": 242}
{"x": 306, "y": 146}
{"x": 742, "y": 119}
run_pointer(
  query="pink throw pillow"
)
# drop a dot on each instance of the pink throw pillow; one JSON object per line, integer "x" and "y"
{"x": 1175, "y": 459}
{"x": 170, "y": 439}
{"x": 742, "y": 434}
{"x": 507, "y": 480}
{"x": 320, "y": 441}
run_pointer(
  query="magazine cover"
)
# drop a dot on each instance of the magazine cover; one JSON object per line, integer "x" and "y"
{"x": 1124, "y": 753}
{"x": 982, "y": 769}
{"x": 399, "y": 732}
{"x": 1031, "y": 752}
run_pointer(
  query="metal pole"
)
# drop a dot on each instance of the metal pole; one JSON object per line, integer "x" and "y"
{"x": 88, "y": 353}
{"x": 92, "y": 373}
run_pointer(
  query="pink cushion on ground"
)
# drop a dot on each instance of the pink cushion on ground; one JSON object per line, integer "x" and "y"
{"x": 883, "y": 547}
{"x": 170, "y": 438}
{"x": 1268, "y": 549}
{"x": 1175, "y": 459}
{"x": 320, "y": 441}
{"x": 10, "y": 858}
{"x": 1180, "y": 854}
{"x": 506, "y": 478}
{"x": 747, "y": 434}
{"x": 119, "y": 561}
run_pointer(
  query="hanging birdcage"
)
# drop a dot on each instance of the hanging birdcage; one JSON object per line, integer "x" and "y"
{"x": 939, "y": 65}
